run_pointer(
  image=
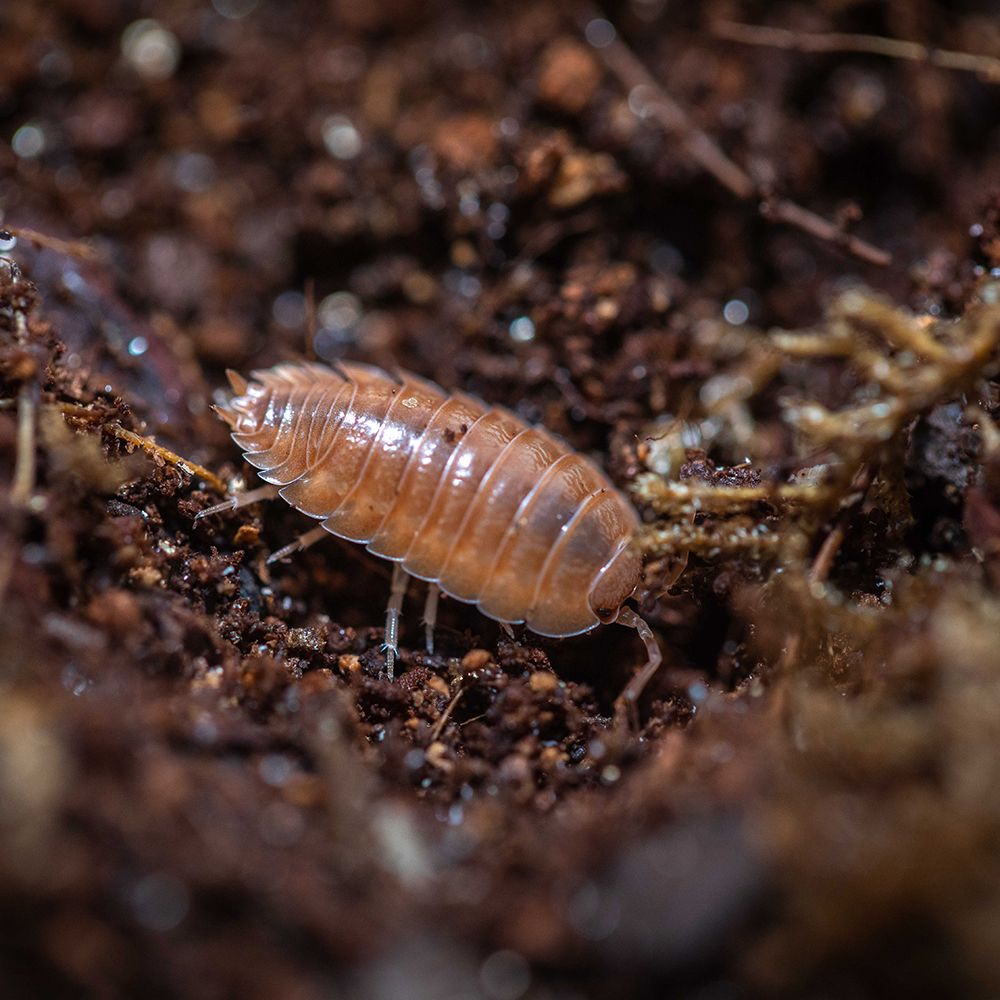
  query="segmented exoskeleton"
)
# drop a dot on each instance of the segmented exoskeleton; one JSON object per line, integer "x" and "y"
{"x": 468, "y": 497}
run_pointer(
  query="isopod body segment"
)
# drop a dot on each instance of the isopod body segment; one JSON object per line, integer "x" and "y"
{"x": 469, "y": 497}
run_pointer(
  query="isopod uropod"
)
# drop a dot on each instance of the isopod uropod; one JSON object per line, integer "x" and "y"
{"x": 468, "y": 497}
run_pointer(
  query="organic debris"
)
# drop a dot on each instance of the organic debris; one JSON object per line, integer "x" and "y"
{"x": 753, "y": 276}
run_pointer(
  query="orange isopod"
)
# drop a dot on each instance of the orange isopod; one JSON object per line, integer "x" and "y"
{"x": 468, "y": 497}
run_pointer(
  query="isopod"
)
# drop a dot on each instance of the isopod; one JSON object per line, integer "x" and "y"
{"x": 470, "y": 498}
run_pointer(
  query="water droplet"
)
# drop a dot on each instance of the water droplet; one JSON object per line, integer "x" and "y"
{"x": 600, "y": 33}
{"x": 160, "y": 901}
{"x": 150, "y": 49}
{"x": 194, "y": 172}
{"x": 339, "y": 311}
{"x": 522, "y": 330}
{"x": 289, "y": 309}
{"x": 697, "y": 691}
{"x": 509, "y": 127}
{"x": 470, "y": 51}
{"x": 55, "y": 68}
{"x": 28, "y": 142}
{"x": 341, "y": 138}
{"x": 666, "y": 259}
{"x": 736, "y": 312}
{"x": 275, "y": 769}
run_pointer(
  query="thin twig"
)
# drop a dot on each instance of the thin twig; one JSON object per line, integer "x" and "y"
{"x": 803, "y": 41}
{"x": 154, "y": 450}
{"x": 445, "y": 715}
{"x": 782, "y": 210}
{"x": 71, "y": 248}
{"x": 23, "y": 484}
{"x": 673, "y": 119}
{"x": 670, "y": 116}
{"x": 148, "y": 445}
{"x": 823, "y": 562}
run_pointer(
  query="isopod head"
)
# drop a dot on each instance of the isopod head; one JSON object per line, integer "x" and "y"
{"x": 615, "y": 584}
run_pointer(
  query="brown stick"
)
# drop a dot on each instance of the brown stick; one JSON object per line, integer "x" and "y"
{"x": 787, "y": 211}
{"x": 673, "y": 119}
{"x": 445, "y": 715}
{"x": 23, "y": 484}
{"x": 71, "y": 248}
{"x": 148, "y": 445}
{"x": 803, "y": 41}
{"x": 823, "y": 562}
{"x": 154, "y": 450}
{"x": 670, "y": 116}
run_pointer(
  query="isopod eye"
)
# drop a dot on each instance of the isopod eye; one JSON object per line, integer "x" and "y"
{"x": 606, "y": 615}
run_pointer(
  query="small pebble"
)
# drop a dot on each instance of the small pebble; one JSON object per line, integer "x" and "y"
{"x": 348, "y": 663}
{"x": 543, "y": 682}
{"x": 476, "y": 659}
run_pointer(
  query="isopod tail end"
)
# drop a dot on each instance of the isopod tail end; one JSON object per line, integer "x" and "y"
{"x": 230, "y": 418}
{"x": 237, "y": 381}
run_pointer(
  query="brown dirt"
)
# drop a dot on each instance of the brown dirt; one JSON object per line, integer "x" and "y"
{"x": 207, "y": 789}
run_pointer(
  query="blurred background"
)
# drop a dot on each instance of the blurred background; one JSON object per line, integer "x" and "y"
{"x": 205, "y": 789}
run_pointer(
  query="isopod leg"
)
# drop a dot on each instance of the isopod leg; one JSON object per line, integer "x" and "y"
{"x": 431, "y": 613}
{"x": 302, "y": 542}
{"x": 240, "y": 500}
{"x": 627, "y": 703}
{"x": 400, "y": 581}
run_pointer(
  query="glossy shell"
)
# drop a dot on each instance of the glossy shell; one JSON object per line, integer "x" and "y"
{"x": 497, "y": 513}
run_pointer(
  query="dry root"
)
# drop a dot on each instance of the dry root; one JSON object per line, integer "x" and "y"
{"x": 903, "y": 365}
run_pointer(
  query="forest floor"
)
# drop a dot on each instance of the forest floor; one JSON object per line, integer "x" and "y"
{"x": 758, "y": 283}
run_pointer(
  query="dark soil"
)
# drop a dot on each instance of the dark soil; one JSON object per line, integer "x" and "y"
{"x": 208, "y": 788}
